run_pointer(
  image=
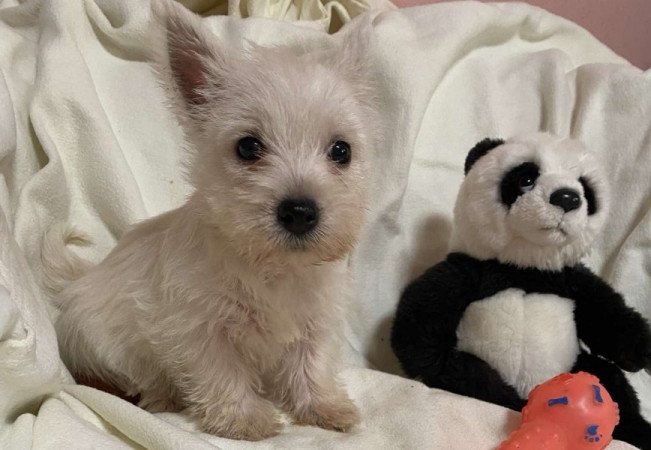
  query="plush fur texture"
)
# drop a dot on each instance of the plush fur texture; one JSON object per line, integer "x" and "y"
{"x": 531, "y": 232}
{"x": 490, "y": 327}
{"x": 509, "y": 310}
{"x": 214, "y": 306}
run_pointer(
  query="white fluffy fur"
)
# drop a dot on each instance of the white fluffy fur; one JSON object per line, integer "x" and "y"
{"x": 213, "y": 307}
{"x": 486, "y": 229}
{"x": 527, "y": 338}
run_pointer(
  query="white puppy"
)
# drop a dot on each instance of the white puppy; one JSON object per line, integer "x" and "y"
{"x": 231, "y": 305}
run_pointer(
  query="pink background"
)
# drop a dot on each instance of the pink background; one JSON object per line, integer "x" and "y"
{"x": 623, "y": 25}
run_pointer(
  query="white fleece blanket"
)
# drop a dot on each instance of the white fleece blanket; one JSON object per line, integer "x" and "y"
{"x": 84, "y": 136}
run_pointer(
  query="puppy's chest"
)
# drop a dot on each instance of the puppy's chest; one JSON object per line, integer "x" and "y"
{"x": 527, "y": 338}
{"x": 264, "y": 322}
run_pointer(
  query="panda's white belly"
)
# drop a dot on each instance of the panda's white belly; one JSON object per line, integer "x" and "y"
{"x": 527, "y": 338}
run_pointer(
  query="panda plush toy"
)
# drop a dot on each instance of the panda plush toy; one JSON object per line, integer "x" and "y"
{"x": 511, "y": 306}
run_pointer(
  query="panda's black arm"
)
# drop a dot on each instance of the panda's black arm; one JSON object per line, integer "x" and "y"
{"x": 424, "y": 334}
{"x": 606, "y": 324}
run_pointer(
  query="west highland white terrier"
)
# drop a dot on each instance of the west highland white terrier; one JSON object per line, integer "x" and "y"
{"x": 231, "y": 305}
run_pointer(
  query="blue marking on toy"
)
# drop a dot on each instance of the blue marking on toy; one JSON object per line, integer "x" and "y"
{"x": 557, "y": 401}
{"x": 591, "y": 434}
{"x": 597, "y": 393}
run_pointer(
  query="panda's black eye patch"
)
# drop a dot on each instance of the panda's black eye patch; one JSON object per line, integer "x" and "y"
{"x": 517, "y": 181}
{"x": 588, "y": 193}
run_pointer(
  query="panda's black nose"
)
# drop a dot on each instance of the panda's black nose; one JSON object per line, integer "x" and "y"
{"x": 567, "y": 199}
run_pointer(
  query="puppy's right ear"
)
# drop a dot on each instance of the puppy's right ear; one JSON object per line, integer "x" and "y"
{"x": 194, "y": 65}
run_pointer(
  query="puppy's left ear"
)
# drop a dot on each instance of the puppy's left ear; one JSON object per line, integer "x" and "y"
{"x": 354, "y": 57}
{"x": 192, "y": 65}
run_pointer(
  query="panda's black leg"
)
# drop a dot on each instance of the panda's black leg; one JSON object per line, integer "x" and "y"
{"x": 466, "y": 374}
{"x": 632, "y": 427}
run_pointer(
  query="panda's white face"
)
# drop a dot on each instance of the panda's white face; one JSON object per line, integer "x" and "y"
{"x": 533, "y": 201}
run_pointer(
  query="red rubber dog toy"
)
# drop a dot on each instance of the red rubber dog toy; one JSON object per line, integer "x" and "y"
{"x": 568, "y": 412}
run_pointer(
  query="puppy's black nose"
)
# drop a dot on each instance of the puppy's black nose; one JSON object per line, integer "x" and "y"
{"x": 298, "y": 216}
{"x": 567, "y": 199}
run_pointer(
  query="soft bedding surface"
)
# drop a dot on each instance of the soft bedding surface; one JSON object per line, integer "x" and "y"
{"x": 84, "y": 137}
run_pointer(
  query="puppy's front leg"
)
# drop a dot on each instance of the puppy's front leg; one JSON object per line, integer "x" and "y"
{"x": 312, "y": 392}
{"x": 223, "y": 393}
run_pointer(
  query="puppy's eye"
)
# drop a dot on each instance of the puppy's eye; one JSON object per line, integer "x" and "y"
{"x": 526, "y": 182}
{"x": 249, "y": 149}
{"x": 340, "y": 152}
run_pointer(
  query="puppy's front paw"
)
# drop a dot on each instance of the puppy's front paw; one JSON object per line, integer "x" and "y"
{"x": 251, "y": 424}
{"x": 339, "y": 415}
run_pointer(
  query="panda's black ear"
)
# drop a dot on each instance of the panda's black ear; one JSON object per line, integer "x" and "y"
{"x": 480, "y": 150}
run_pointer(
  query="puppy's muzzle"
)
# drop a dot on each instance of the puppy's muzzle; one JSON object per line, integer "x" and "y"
{"x": 298, "y": 216}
